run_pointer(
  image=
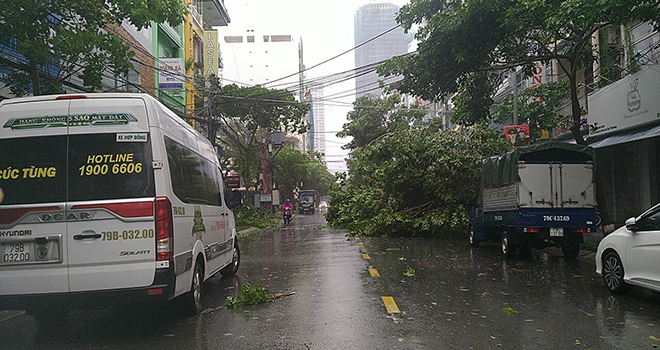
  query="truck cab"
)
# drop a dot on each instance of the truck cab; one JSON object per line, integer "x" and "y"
{"x": 306, "y": 201}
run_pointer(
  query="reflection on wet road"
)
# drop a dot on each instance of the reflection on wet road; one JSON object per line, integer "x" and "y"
{"x": 449, "y": 296}
{"x": 475, "y": 299}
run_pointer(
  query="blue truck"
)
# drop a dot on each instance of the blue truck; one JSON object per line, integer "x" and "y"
{"x": 536, "y": 196}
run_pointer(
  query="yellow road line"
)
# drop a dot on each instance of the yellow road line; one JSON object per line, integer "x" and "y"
{"x": 374, "y": 273}
{"x": 365, "y": 256}
{"x": 390, "y": 305}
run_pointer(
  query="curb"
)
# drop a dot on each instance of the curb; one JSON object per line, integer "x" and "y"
{"x": 9, "y": 314}
{"x": 246, "y": 231}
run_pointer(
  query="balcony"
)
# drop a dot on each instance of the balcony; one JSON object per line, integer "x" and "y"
{"x": 214, "y": 13}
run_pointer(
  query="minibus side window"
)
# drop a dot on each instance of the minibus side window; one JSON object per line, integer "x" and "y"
{"x": 194, "y": 178}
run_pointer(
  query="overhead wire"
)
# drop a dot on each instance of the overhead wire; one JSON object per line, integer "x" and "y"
{"x": 337, "y": 56}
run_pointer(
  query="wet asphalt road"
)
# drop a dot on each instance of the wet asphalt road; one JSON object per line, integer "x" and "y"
{"x": 457, "y": 298}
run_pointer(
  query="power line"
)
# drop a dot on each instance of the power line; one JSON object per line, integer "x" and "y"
{"x": 337, "y": 56}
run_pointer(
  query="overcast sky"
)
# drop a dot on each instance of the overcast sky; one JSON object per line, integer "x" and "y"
{"x": 326, "y": 29}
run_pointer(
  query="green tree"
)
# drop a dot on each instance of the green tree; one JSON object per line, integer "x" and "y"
{"x": 413, "y": 181}
{"x": 536, "y": 107}
{"x": 372, "y": 117}
{"x": 76, "y": 36}
{"x": 243, "y": 117}
{"x": 293, "y": 167}
{"x": 460, "y": 39}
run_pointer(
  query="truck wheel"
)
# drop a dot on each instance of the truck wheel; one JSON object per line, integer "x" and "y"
{"x": 232, "y": 268}
{"x": 508, "y": 248}
{"x": 571, "y": 248}
{"x": 192, "y": 301}
{"x": 473, "y": 241}
{"x": 613, "y": 274}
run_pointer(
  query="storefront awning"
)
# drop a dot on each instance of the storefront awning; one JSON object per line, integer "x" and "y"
{"x": 627, "y": 136}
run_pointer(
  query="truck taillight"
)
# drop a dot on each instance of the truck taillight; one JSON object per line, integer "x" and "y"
{"x": 531, "y": 229}
{"x": 582, "y": 230}
{"x": 164, "y": 229}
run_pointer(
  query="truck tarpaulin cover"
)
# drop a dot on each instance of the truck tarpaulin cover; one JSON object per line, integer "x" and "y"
{"x": 503, "y": 170}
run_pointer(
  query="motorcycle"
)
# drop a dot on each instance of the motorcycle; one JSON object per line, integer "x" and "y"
{"x": 287, "y": 216}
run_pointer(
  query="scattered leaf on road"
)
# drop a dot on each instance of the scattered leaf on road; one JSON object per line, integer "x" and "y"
{"x": 586, "y": 313}
{"x": 409, "y": 271}
{"x": 509, "y": 311}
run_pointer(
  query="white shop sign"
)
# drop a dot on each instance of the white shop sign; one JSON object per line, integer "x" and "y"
{"x": 631, "y": 101}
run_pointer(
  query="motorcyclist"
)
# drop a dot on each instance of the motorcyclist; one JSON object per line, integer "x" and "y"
{"x": 287, "y": 206}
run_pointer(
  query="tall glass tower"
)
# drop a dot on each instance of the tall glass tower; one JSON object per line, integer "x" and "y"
{"x": 372, "y": 20}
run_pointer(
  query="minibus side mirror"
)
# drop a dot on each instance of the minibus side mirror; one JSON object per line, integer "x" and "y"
{"x": 234, "y": 199}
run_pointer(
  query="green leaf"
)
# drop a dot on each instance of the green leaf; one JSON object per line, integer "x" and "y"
{"x": 409, "y": 271}
{"x": 509, "y": 311}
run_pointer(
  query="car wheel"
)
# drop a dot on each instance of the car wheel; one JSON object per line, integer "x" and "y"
{"x": 508, "y": 248}
{"x": 613, "y": 274}
{"x": 192, "y": 301}
{"x": 232, "y": 268}
{"x": 473, "y": 241}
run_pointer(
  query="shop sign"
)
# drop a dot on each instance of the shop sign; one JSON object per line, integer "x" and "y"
{"x": 628, "y": 102}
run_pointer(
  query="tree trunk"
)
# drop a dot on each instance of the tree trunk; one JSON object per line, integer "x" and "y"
{"x": 576, "y": 113}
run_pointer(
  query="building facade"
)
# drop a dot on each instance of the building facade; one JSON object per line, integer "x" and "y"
{"x": 371, "y": 21}
{"x": 252, "y": 58}
{"x": 269, "y": 59}
{"x": 317, "y": 120}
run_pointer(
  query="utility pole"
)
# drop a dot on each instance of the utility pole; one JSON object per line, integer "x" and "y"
{"x": 266, "y": 197}
{"x": 515, "y": 97}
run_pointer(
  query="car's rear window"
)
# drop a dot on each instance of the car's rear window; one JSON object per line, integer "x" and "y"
{"x": 34, "y": 170}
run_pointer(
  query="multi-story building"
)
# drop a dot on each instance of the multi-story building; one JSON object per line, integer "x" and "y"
{"x": 203, "y": 15}
{"x": 269, "y": 59}
{"x": 626, "y": 113}
{"x": 372, "y": 21}
{"x": 317, "y": 120}
{"x": 252, "y": 58}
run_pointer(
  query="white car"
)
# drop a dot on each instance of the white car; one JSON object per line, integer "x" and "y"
{"x": 630, "y": 255}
